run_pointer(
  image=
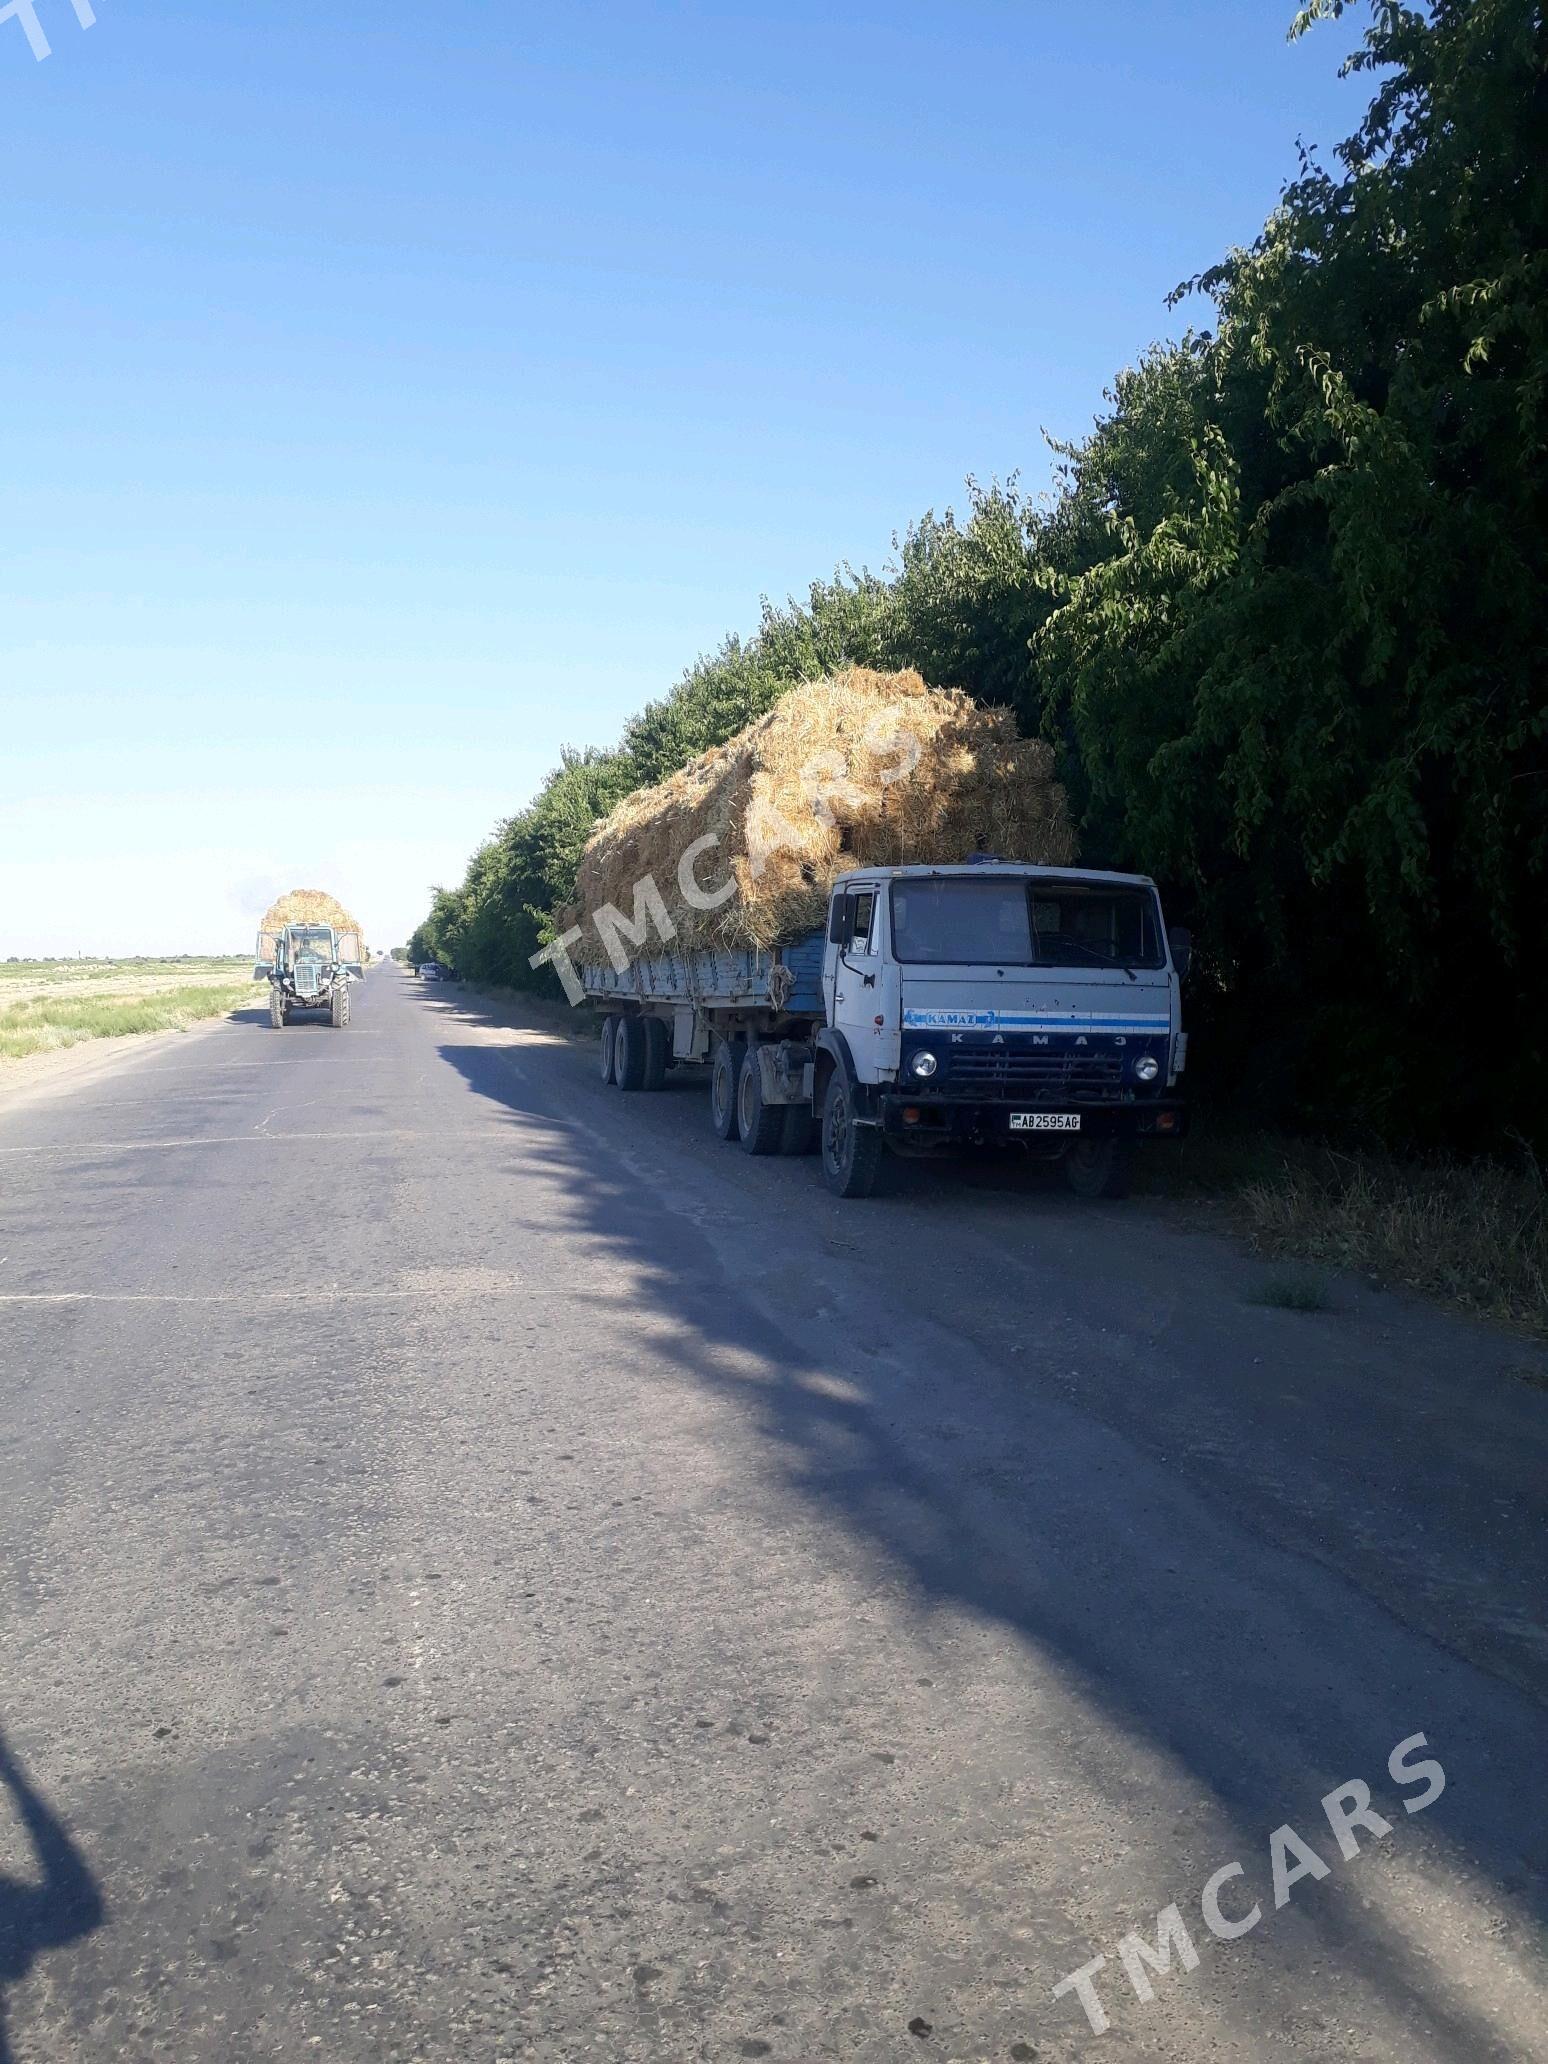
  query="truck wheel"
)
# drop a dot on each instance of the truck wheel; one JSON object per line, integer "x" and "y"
{"x": 1099, "y": 1168}
{"x": 800, "y": 1133}
{"x": 629, "y": 1053}
{"x": 725, "y": 1074}
{"x": 761, "y": 1126}
{"x": 607, "y": 1048}
{"x": 851, "y": 1153}
{"x": 658, "y": 1051}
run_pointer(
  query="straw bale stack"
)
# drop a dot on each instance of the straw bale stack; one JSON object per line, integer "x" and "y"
{"x": 310, "y": 906}
{"x": 863, "y": 769}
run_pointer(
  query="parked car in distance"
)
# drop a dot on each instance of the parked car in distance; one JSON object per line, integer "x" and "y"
{"x": 431, "y": 971}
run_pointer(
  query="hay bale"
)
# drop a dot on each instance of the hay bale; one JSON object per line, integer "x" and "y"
{"x": 863, "y": 770}
{"x": 309, "y": 906}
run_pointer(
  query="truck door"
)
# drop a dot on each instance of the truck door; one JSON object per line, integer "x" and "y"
{"x": 854, "y": 979}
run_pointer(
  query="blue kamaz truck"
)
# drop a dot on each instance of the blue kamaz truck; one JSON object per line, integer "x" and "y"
{"x": 992, "y": 1003}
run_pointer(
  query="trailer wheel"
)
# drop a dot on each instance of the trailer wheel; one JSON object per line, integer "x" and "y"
{"x": 607, "y": 1047}
{"x": 851, "y": 1153}
{"x": 725, "y": 1074}
{"x": 658, "y": 1052}
{"x": 760, "y": 1126}
{"x": 629, "y": 1053}
{"x": 276, "y": 1008}
{"x": 1096, "y": 1168}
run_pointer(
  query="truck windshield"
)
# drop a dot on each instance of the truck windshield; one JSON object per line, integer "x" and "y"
{"x": 1022, "y": 922}
{"x": 1095, "y": 924}
{"x": 957, "y": 918}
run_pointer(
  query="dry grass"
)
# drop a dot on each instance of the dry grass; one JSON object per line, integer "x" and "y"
{"x": 1472, "y": 1235}
{"x": 20, "y": 979}
{"x": 863, "y": 770}
{"x": 65, "y": 1017}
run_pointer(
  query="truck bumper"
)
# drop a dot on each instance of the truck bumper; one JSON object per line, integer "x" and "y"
{"x": 922, "y": 1118}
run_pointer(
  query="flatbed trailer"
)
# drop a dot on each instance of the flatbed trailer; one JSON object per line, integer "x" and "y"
{"x": 706, "y": 990}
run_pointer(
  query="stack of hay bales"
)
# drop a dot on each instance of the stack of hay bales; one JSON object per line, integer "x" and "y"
{"x": 862, "y": 770}
{"x": 309, "y": 906}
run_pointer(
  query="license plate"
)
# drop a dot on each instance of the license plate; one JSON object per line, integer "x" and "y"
{"x": 1045, "y": 1121}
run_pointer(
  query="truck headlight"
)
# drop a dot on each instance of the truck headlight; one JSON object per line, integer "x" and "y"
{"x": 924, "y": 1064}
{"x": 1146, "y": 1068}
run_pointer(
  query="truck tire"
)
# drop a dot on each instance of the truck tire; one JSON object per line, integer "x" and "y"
{"x": 760, "y": 1126}
{"x": 851, "y": 1153}
{"x": 725, "y": 1074}
{"x": 629, "y": 1054}
{"x": 1096, "y": 1168}
{"x": 800, "y": 1133}
{"x": 276, "y": 1009}
{"x": 658, "y": 1051}
{"x": 607, "y": 1047}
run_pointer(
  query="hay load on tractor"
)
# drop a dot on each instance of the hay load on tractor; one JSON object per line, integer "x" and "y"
{"x": 313, "y": 906}
{"x": 863, "y": 769}
{"x": 309, "y": 951}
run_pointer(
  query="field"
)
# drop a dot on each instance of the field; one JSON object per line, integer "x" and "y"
{"x": 45, "y": 1004}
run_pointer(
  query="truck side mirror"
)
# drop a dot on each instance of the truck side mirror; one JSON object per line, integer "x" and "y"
{"x": 1180, "y": 940}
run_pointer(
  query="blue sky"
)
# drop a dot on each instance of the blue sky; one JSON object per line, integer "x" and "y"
{"x": 397, "y": 392}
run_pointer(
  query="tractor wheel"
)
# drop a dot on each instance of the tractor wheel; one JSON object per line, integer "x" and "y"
{"x": 725, "y": 1074}
{"x": 1096, "y": 1168}
{"x": 607, "y": 1047}
{"x": 338, "y": 1006}
{"x": 760, "y": 1126}
{"x": 658, "y": 1051}
{"x": 629, "y": 1054}
{"x": 276, "y": 1008}
{"x": 851, "y": 1153}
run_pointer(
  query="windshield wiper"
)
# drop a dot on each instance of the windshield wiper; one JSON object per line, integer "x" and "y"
{"x": 1094, "y": 954}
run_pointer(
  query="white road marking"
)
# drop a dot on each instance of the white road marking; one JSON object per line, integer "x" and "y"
{"x": 314, "y": 1297}
{"x": 241, "y": 1139}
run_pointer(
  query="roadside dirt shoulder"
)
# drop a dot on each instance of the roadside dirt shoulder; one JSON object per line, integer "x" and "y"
{"x": 36, "y": 1077}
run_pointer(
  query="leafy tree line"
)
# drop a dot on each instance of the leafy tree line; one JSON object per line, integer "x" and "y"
{"x": 1283, "y": 617}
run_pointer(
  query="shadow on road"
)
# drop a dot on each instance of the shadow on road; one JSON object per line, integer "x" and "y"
{"x": 57, "y": 1906}
{"x": 1239, "y": 1664}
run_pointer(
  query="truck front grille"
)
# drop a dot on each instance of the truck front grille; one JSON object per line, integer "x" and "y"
{"x": 1001, "y": 1074}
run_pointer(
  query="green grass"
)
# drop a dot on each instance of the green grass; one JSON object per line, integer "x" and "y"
{"x": 1295, "y": 1293}
{"x": 38, "y": 1023}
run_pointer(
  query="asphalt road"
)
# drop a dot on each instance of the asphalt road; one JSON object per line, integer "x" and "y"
{"x": 490, "y": 1573}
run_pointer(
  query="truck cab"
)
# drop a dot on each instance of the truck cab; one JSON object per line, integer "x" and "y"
{"x": 1002, "y": 1003}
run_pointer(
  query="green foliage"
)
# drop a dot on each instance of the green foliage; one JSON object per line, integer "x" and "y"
{"x": 1282, "y": 618}
{"x": 1303, "y": 681}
